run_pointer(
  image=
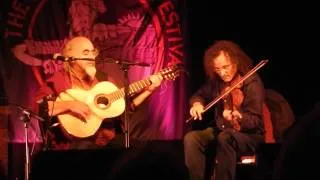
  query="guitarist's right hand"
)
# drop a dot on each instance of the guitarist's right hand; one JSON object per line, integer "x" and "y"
{"x": 80, "y": 108}
{"x": 196, "y": 110}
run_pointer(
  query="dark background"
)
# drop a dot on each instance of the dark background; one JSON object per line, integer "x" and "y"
{"x": 284, "y": 33}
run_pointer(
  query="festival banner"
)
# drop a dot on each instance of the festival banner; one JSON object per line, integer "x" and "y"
{"x": 144, "y": 31}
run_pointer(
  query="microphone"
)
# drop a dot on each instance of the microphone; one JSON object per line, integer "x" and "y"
{"x": 60, "y": 57}
{"x": 29, "y": 113}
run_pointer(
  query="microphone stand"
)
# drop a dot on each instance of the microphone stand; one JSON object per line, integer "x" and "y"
{"x": 124, "y": 66}
{"x": 26, "y": 117}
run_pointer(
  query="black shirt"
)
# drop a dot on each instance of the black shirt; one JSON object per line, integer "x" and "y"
{"x": 251, "y": 108}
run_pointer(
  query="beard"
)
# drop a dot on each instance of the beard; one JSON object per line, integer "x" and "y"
{"x": 91, "y": 72}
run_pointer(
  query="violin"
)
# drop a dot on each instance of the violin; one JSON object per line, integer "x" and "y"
{"x": 232, "y": 102}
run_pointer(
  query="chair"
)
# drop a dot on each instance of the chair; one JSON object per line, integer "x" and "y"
{"x": 269, "y": 136}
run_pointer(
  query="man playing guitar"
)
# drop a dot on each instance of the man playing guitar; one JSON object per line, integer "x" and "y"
{"x": 81, "y": 76}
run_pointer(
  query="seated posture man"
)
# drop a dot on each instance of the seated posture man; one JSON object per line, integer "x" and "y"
{"x": 237, "y": 126}
{"x": 81, "y": 75}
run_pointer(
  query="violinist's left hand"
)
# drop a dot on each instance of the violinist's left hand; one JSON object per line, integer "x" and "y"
{"x": 156, "y": 80}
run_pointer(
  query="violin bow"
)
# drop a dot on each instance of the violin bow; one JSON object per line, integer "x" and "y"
{"x": 233, "y": 86}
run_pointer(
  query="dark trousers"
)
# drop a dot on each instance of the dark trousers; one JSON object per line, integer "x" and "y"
{"x": 229, "y": 145}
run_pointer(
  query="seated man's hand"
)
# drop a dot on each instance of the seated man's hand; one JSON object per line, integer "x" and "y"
{"x": 196, "y": 111}
{"x": 79, "y": 108}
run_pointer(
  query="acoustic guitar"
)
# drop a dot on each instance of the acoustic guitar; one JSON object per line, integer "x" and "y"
{"x": 105, "y": 100}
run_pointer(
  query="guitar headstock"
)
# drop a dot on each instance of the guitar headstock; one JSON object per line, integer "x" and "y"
{"x": 171, "y": 72}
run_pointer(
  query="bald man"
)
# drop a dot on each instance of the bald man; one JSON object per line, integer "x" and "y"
{"x": 81, "y": 47}
{"x": 80, "y": 74}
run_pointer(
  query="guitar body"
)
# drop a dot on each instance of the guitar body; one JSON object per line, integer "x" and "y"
{"x": 105, "y": 101}
{"x": 81, "y": 128}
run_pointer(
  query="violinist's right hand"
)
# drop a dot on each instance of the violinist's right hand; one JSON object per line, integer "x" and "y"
{"x": 196, "y": 110}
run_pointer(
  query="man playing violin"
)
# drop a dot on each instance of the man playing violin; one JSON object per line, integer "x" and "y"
{"x": 236, "y": 126}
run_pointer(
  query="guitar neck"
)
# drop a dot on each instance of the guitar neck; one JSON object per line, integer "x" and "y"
{"x": 133, "y": 88}
{"x": 137, "y": 86}
{"x": 166, "y": 73}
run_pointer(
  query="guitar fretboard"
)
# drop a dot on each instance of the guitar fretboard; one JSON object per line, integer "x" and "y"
{"x": 133, "y": 88}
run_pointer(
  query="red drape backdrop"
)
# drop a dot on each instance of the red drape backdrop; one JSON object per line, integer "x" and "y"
{"x": 132, "y": 30}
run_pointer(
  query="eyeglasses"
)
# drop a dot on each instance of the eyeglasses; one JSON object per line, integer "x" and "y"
{"x": 86, "y": 52}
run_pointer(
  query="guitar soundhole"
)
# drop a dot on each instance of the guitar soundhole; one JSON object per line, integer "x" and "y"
{"x": 102, "y": 102}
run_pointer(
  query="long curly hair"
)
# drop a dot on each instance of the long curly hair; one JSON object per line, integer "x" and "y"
{"x": 231, "y": 49}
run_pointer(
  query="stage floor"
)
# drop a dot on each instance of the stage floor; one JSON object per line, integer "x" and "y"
{"x": 150, "y": 160}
